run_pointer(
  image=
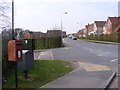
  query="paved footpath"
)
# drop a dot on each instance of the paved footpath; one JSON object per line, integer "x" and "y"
{"x": 87, "y": 75}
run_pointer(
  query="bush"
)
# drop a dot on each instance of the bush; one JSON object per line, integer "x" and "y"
{"x": 113, "y": 37}
{"x": 7, "y": 66}
{"x": 43, "y": 43}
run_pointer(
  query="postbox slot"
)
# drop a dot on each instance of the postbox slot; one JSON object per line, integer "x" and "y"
{"x": 18, "y": 43}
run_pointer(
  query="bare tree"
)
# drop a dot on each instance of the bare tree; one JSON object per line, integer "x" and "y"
{"x": 4, "y": 17}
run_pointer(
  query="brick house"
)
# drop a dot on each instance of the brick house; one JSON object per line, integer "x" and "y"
{"x": 81, "y": 33}
{"x": 28, "y": 35}
{"x": 118, "y": 26}
{"x": 37, "y": 35}
{"x": 34, "y": 35}
{"x": 99, "y": 27}
{"x": 111, "y": 25}
{"x": 86, "y": 29}
{"x": 91, "y": 29}
{"x": 53, "y": 33}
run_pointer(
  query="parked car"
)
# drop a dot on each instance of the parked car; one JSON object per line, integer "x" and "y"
{"x": 74, "y": 38}
{"x": 70, "y": 36}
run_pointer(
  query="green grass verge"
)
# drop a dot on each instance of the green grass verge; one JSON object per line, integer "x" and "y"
{"x": 100, "y": 42}
{"x": 43, "y": 72}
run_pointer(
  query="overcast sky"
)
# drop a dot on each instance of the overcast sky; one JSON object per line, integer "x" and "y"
{"x": 43, "y": 15}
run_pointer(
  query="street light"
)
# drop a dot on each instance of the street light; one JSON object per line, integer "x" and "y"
{"x": 61, "y": 21}
{"x": 62, "y": 24}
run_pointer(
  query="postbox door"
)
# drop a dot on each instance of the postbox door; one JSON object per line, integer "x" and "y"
{"x": 15, "y": 50}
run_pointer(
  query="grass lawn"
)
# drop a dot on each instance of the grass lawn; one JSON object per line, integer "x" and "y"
{"x": 43, "y": 72}
{"x": 95, "y": 41}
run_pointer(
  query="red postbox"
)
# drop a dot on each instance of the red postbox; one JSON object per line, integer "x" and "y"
{"x": 15, "y": 50}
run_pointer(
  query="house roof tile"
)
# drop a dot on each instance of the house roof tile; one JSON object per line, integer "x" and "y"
{"x": 114, "y": 20}
{"x": 100, "y": 23}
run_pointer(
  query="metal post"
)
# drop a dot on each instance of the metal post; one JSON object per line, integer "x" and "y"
{"x": 13, "y": 20}
{"x": 32, "y": 45}
{"x": 16, "y": 80}
{"x": 61, "y": 25}
{"x": 26, "y": 74}
{"x": 61, "y": 29}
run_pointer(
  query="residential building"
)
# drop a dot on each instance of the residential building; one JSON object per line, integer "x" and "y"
{"x": 53, "y": 33}
{"x": 28, "y": 35}
{"x": 111, "y": 25}
{"x": 86, "y": 29}
{"x": 81, "y": 33}
{"x": 91, "y": 29}
{"x": 98, "y": 27}
{"x": 37, "y": 35}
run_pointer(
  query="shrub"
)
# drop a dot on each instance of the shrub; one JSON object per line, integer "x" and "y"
{"x": 113, "y": 37}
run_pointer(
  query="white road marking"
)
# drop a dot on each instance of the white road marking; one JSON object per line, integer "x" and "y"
{"x": 114, "y": 60}
{"x": 51, "y": 55}
{"x": 41, "y": 53}
{"x": 39, "y": 56}
{"x": 118, "y": 74}
{"x": 90, "y": 49}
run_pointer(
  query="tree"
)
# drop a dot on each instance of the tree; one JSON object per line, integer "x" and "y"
{"x": 4, "y": 17}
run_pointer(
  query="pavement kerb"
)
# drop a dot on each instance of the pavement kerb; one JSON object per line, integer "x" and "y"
{"x": 109, "y": 81}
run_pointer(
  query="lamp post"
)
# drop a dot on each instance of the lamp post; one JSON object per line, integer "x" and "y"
{"x": 62, "y": 24}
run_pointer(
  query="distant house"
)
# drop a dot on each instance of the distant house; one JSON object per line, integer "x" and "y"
{"x": 81, "y": 33}
{"x": 37, "y": 35}
{"x": 98, "y": 27}
{"x": 117, "y": 29}
{"x": 33, "y": 35}
{"x": 91, "y": 29}
{"x": 53, "y": 33}
{"x": 28, "y": 35}
{"x": 86, "y": 29}
{"x": 111, "y": 25}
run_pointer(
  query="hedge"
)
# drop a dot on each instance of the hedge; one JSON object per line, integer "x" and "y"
{"x": 43, "y": 43}
{"x": 113, "y": 37}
